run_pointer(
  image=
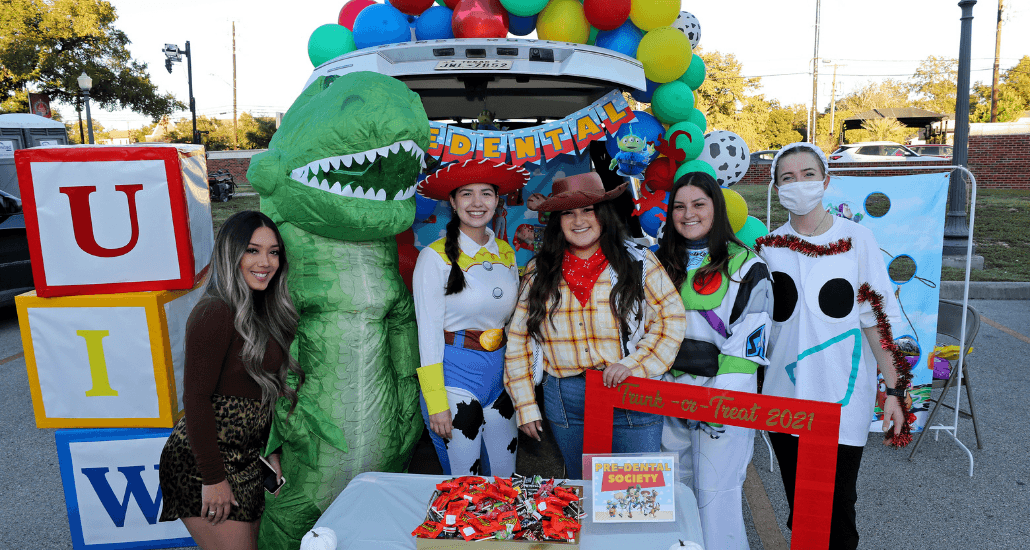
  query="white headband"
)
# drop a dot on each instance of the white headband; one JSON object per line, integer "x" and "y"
{"x": 805, "y": 146}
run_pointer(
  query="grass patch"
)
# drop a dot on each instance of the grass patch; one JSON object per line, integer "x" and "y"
{"x": 1001, "y": 235}
{"x": 221, "y": 211}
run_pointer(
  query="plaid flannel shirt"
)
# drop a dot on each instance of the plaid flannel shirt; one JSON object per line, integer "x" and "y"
{"x": 578, "y": 337}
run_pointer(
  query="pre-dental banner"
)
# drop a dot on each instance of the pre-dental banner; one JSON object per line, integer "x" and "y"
{"x": 906, "y": 214}
{"x": 532, "y": 145}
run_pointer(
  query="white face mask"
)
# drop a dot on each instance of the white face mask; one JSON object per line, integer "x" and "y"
{"x": 801, "y": 197}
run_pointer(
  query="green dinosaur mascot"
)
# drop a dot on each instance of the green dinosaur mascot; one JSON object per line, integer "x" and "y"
{"x": 339, "y": 179}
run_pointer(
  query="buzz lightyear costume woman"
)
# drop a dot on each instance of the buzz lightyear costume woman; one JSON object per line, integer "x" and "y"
{"x": 466, "y": 287}
{"x": 727, "y": 292}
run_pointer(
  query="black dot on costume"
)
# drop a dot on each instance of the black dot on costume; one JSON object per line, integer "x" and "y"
{"x": 469, "y": 419}
{"x": 514, "y": 445}
{"x": 477, "y": 467}
{"x": 504, "y": 406}
{"x": 785, "y": 296}
{"x": 836, "y": 298}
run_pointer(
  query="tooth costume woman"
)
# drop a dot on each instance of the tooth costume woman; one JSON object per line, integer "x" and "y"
{"x": 727, "y": 292}
{"x": 831, "y": 329}
{"x": 465, "y": 287}
{"x": 592, "y": 300}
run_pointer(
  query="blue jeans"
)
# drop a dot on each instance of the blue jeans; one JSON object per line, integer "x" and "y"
{"x": 632, "y": 432}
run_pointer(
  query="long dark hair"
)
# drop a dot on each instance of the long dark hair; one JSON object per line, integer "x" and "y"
{"x": 672, "y": 247}
{"x": 452, "y": 249}
{"x": 544, "y": 297}
{"x": 257, "y": 315}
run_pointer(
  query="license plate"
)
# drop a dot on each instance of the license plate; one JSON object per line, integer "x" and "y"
{"x": 473, "y": 64}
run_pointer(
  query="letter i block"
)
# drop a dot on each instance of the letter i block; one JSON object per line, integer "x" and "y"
{"x": 106, "y": 361}
{"x": 112, "y": 491}
{"x": 115, "y": 219}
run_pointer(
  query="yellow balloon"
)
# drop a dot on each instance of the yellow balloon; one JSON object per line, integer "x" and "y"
{"x": 651, "y": 14}
{"x": 664, "y": 52}
{"x": 564, "y": 21}
{"x": 736, "y": 208}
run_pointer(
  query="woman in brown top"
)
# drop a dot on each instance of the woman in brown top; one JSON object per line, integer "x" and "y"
{"x": 237, "y": 359}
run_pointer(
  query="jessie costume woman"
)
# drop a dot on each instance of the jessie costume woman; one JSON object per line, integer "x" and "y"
{"x": 465, "y": 287}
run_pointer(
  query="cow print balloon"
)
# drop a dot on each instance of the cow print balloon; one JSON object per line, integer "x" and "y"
{"x": 728, "y": 154}
{"x": 690, "y": 26}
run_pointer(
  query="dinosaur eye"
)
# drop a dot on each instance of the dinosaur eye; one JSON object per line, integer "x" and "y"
{"x": 328, "y": 80}
{"x": 347, "y": 101}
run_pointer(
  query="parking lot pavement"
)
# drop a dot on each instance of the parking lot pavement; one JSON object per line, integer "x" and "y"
{"x": 928, "y": 502}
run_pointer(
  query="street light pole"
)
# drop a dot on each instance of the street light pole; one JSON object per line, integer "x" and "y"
{"x": 85, "y": 84}
{"x": 174, "y": 54}
{"x": 956, "y": 229}
{"x": 815, "y": 80}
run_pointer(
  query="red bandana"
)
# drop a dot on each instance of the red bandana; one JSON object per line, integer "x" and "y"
{"x": 582, "y": 274}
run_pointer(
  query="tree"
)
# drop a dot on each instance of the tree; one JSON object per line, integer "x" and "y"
{"x": 934, "y": 83}
{"x": 255, "y": 133}
{"x": 731, "y": 102}
{"x": 1010, "y": 104}
{"x": 47, "y": 44}
{"x": 1018, "y": 80}
{"x": 886, "y": 129}
{"x": 876, "y": 95}
{"x": 783, "y": 124}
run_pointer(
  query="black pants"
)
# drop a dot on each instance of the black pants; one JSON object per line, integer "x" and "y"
{"x": 843, "y": 526}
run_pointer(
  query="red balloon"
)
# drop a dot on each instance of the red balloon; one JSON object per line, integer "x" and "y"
{"x": 350, "y": 11}
{"x": 479, "y": 19}
{"x": 450, "y": 3}
{"x": 606, "y": 15}
{"x": 659, "y": 174}
{"x": 411, "y": 7}
{"x": 407, "y": 254}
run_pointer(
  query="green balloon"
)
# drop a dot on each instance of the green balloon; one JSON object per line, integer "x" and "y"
{"x": 524, "y": 8}
{"x": 698, "y": 119}
{"x": 673, "y": 102}
{"x": 328, "y": 42}
{"x": 593, "y": 36}
{"x": 752, "y": 230}
{"x": 691, "y": 146}
{"x": 695, "y": 73}
{"x": 695, "y": 165}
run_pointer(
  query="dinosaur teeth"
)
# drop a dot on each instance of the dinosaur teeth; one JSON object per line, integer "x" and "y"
{"x": 395, "y": 147}
{"x": 324, "y": 165}
{"x": 407, "y": 145}
{"x": 335, "y": 188}
{"x": 381, "y": 195}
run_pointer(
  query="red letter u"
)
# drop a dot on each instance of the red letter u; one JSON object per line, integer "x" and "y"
{"x": 82, "y": 219}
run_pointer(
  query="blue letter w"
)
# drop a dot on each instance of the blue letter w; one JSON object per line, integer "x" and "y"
{"x": 134, "y": 487}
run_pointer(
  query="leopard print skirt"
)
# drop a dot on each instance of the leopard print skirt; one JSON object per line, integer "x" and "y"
{"x": 242, "y": 433}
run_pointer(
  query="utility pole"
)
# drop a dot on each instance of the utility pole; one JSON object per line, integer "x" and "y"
{"x": 814, "y": 128}
{"x": 956, "y": 228}
{"x": 833, "y": 106}
{"x": 235, "y": 133}
{"x": 997, "y": 54}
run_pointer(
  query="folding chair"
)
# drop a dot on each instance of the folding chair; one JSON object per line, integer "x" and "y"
{"x": 949, "y": 319}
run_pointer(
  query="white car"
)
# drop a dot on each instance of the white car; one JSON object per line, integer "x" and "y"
{"x": 513, "y": 78}
{"x": 877, "y": 151}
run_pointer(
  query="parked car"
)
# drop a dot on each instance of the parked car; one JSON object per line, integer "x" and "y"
{"x": 933, "y": 149}
{"x": 876, "y": 151}
{"x": 15, "y": 268}
{"x": 763, "y": 157}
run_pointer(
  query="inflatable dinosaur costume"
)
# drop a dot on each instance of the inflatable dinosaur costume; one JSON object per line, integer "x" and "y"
{"x": 339, "y": 179}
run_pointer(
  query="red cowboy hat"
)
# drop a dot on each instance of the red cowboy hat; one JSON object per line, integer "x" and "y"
{"x": 506, "y": 177}
{"x": 577, "y": 191}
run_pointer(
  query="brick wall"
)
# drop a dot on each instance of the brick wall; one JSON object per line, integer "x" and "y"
{"x": 997, "y": 162}
{"x": 236, "y": 162}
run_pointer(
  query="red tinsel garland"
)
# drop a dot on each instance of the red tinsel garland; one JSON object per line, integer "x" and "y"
{"x": 866, "y": 293}
{"x": 803, "y": 246}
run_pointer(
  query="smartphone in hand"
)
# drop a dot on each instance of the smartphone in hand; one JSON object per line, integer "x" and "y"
{"x": 269, "y": 479}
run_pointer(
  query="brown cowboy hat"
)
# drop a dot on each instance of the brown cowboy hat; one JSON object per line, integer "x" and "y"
{"x": 506, "y": 177}
{"x": 577, "y": 191}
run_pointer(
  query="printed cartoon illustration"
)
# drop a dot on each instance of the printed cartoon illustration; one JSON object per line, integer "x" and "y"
{"x": 633, "y": 156}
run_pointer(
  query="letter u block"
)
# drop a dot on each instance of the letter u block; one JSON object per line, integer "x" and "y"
{"x": 112, "y": 491}
{"x": 105, "y": 219}
{"x": 106, "y": 361}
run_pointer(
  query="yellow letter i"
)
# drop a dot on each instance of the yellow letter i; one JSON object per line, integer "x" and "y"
{"x": 97, "y": 363}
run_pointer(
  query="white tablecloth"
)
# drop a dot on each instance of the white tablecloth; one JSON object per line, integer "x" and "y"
{"x": 380, "y": 510}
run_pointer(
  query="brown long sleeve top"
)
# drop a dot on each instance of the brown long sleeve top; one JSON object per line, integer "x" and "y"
{"x": 213, "y": 366}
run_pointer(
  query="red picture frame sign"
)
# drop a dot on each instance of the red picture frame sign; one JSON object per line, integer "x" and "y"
{"x": 817, "y": 423}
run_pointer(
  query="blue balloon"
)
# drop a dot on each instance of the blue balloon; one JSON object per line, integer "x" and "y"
{"x": 424, "y": 207}
{"x": 434, "y": 24}
{"x": 380, "y": 24}
{"x": 521, "y": 26}
{"x": 624, "y": 39}
{"x": 650, "y": 222}
{"x": 645, "y": 126}
{"x": 644, "y": 96}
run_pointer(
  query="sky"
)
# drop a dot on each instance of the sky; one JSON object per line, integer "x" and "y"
{"x": 868, "y": 40}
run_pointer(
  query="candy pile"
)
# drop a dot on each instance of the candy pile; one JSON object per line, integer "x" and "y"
{"x": 520, "y": 508}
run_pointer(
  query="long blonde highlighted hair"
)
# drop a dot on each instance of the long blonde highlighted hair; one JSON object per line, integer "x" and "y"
{"x": 257, "y": 315}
